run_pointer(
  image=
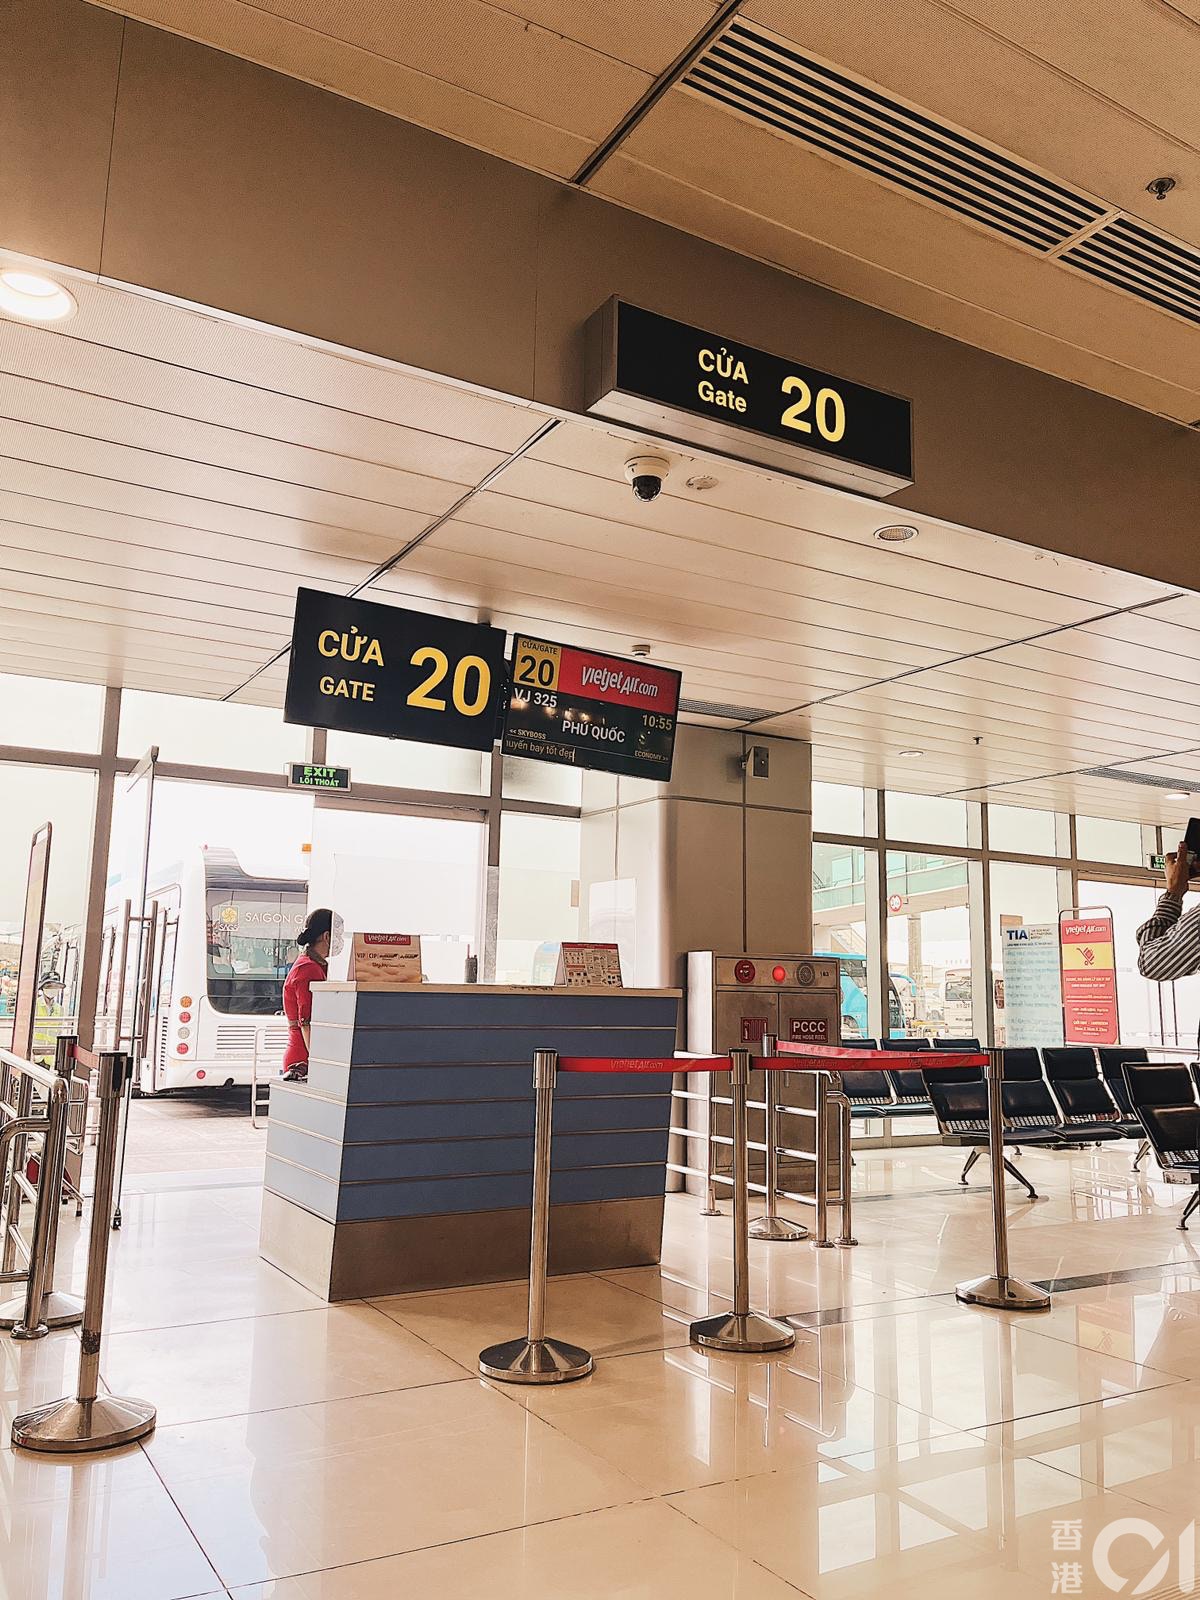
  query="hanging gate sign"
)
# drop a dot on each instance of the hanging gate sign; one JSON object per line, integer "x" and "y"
{"x": 589, "y": 710}
{"x": 367, "y": 668}
{"x": 680, "y": 382}
{"x": 1089, "y": 977}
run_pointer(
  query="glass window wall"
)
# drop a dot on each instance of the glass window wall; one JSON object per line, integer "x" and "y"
{"x": 1147, "y": 1013}
{"x": 208, "y": 733}
{"x": 1102, "y": 839}
{"x": 65, "y": 798}
{"x": 50, "y": 714}
{"x": 929, "y": 944}
{"x": 840, "y": 927}
{"x": 926, "y": 819}
{"x": 404, "y": 764}
{"x": 1022, "y": 831}
{"x": 838, "y": 808}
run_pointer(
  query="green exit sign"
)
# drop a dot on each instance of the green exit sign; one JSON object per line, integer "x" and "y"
{"x": 1158, "y": 863}
{"x": 302, "y": 775}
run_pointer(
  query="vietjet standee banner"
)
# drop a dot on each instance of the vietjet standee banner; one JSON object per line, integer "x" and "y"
{"x": 1089, "y": 977}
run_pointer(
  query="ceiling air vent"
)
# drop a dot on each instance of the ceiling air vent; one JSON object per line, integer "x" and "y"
{"x": 1148, "y": 780}
{"x": 763, "y": 77}
{"x": 716, "y": 708}
{"x": 1143, "y": 263}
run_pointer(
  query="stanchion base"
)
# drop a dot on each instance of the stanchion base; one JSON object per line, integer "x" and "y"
{"x": 58, "y": 1311}
{"x": 69, "y": 1427}
{"x": 716, "y": 1212}
{"x": 845, "y": 1244}
{"x": 777, "y": 1229}
{"x": 1003, "y": 1294}
{"x": 749, "y": 1331}
{"x": 535, "y": 1361}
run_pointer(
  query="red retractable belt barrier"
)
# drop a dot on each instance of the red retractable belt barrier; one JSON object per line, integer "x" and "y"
{"x": 834, "y": 1058}
{"x": 643, "y": 1063}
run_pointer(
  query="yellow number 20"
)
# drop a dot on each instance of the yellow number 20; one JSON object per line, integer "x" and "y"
{"x": 439, "y": 665}
{"x": 830, "y": 410}
{"x": 483, "y": 685}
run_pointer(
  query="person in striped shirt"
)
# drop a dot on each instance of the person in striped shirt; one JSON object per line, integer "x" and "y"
{"x": 1169, "y": 941}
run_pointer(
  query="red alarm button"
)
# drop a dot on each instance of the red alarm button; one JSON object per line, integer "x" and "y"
{"x": 744, "y": 972}
{"x": 779, "y": 974}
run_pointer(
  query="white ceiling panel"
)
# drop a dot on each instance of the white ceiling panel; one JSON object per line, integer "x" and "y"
{"x": 804, "y": 511}
{"x": 168, "y": 480}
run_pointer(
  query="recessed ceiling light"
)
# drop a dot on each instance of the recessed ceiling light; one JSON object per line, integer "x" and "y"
{"x": 1178, "y": 794}
{"x": 910, "y": 755}
{"x": 896, "y": 533}
{"x": 36, "y": 299}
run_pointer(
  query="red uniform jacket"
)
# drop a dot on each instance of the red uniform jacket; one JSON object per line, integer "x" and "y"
{"x": 297, "y": 1005}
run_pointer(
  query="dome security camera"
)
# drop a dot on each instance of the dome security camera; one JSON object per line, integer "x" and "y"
{"x": 646, "y": 474}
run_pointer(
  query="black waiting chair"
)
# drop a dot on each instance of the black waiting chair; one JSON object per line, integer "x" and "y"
{"x": 961, "y": 1109}
{"x": 1112, "y": 1063}
{"x": 1089, "y": 1112}
{"x": 1164, "y": 1098}
{"x": 1029, "y": 1107}
{"x": 962, "y": 1074}
{"x": 911, "y": 1099}
{"x": 867, "y": 1088}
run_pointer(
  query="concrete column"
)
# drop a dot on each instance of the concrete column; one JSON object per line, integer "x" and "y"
{"x": 715, "y": 860}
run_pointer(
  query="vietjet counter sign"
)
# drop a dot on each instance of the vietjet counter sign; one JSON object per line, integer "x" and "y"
{"x": 591, "y": 710}
{"x": 386, "y": 960}
{"x": 1089, "y": 977}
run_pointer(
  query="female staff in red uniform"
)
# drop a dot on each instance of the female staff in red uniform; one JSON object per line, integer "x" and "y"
{"x": 310, "y": 966}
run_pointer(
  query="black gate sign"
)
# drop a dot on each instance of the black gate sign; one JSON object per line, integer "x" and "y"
{"x": 680, "y": 382}
{"x": 367, "y": 668}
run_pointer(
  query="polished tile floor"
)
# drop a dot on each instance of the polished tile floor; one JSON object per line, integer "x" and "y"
{"x": 907, "y": 1445}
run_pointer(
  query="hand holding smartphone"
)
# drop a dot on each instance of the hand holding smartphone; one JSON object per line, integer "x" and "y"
{"x": 1184, "y": 865}
{"x": 1191, "y": 841}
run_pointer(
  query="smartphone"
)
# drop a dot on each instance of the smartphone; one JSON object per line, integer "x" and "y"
{"x": 1191, "y": 840}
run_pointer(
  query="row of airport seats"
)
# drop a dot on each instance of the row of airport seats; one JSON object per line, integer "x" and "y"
{"x": 1060, "y": 1097}
{"x": 884, "y": 1093}
{"x": 1052, "y": 1098}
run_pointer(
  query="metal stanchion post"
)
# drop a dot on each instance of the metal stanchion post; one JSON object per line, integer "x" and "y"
{"x": 821, "y": 1168}
{"x": 31, "y": 1324}
{"x": 771, "y": 1225}
{"x": 21, "y": 1108}
{"x": 710, "y": 1208}
{"x": 92, "y": 1421}
{"x": 741, "y": 1329}
{"x": 999, "y": 1290}
{"x": 42, "y": 1307}
{"x": 845, "y": 1165}
{"x": 535, "y": 1358}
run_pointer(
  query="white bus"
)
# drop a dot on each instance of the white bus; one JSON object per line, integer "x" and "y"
{"x": 957, "y": 1001}
{"x": 212, "y": 971}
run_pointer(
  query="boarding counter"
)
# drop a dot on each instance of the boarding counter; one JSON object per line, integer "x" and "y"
{"x": 404, "y": 1162}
